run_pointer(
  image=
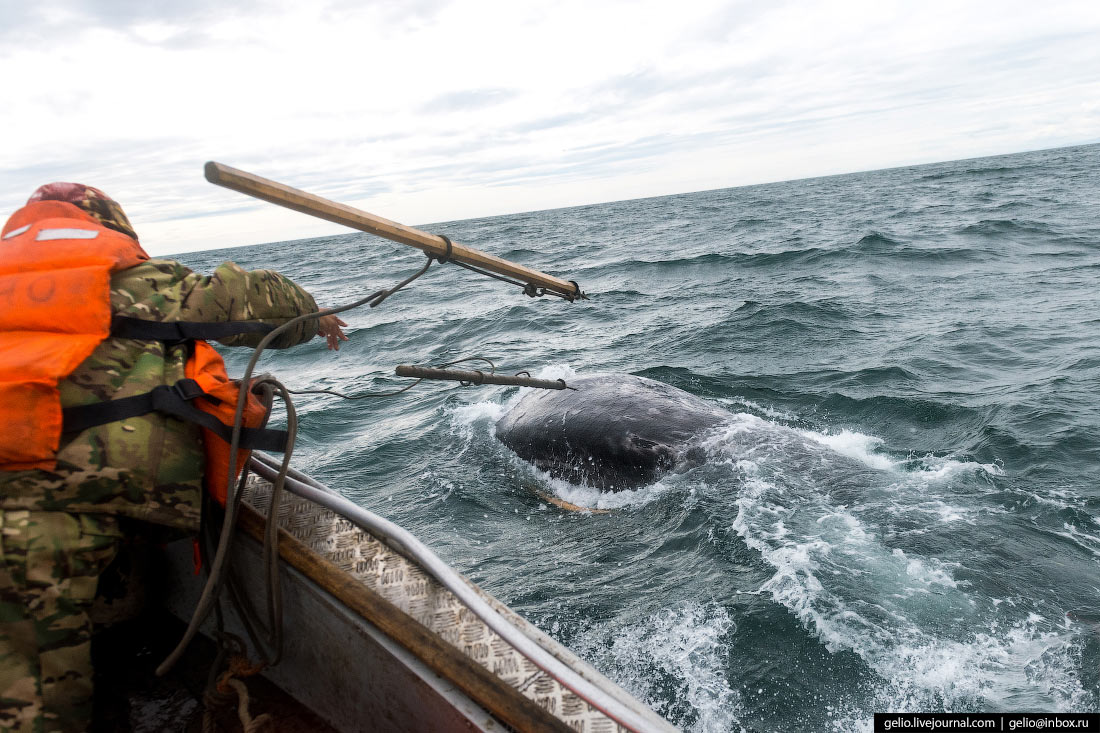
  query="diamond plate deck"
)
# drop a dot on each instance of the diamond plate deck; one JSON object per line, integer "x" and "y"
{"x": 410, "y": 589}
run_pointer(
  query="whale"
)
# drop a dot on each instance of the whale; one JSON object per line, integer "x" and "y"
{"x": 610, "y": 431}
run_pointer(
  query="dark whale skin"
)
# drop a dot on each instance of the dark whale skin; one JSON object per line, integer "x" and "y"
{"x": 616, "y": 431}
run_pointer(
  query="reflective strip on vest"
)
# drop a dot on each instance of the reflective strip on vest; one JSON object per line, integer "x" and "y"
{"x": 17, "y": 232}
{"x": 46, "y": 235}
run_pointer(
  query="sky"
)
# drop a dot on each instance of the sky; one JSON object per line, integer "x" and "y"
{"x": 427, "y": 110}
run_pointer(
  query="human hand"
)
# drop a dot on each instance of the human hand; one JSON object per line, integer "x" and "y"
{"x": 329, "y": 327}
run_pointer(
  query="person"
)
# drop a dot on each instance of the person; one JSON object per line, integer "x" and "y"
{"x": 70, "y": 261}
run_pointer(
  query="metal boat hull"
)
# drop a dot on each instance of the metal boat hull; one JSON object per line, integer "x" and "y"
{"x": 373, "y": 641}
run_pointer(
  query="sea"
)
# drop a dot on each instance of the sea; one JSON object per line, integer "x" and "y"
{"x": 903, "y": 506}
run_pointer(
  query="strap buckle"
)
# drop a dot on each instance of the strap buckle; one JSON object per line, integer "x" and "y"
{"x": 186, "y": 389}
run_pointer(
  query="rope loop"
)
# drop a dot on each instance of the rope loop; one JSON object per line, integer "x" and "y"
{"x": 230, "y": 688}
{"x": 532, "y": 292}
{"x": 248, "y": 723}
{"x": 446, "y": 255}
{"x": 480, "y": 379}
{"x": 239, "y": 667}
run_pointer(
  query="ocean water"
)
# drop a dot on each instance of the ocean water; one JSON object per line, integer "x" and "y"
{"x": 903, "y": 505}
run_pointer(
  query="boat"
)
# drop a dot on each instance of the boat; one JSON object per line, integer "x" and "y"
{"x": 381, "y": 634}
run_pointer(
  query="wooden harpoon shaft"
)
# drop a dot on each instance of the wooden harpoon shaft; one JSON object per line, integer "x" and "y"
{"x": 349, "y": 216}
{"x": 476, "y": 377}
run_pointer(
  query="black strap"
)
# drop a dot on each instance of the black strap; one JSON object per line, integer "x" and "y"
{"x": 174, "y": 400}
{"x": 173, "y": 331}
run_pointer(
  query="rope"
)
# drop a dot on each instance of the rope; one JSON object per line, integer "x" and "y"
{"x": 355, "y": 397}
{"x": 403, "y": 389}
{"x": 216, "y": 578}
{"x": 230, "y": 686}
{"x": 239, "y": 666}
{"x": 267, "y": 635}
{"x": 529, "y": 289}
{"x": 248, "y": 723}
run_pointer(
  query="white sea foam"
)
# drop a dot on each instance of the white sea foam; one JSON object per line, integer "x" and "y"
{"x": 756, "y": 407}
{"x": 812, "y": 464}
{"x": 774, "y": 438}
{"x": 938, "y": 509}
{"x": 685, "y": 645}
{"x": 1027, "y": 666}
{"x": 476, "y": 412}
{"x": 467, "y": 418}
{"x": 906, "y": 616}
{"x": 745, "y": 436}
{"x": 554, "y": 371}
{"x": 854, "y": 445}
{"x": 1084, "y": 540}
{"x": 1056, "y": 499}
{"x": 937, "y": 468}
{"x": 594, "y": 498}
{"x": 489, "y": 412}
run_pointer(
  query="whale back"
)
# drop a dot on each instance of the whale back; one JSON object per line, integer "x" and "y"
{"x": 614, "y": 431}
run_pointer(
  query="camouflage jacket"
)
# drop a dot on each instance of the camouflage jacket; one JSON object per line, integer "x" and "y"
{"x": 150, "y": 467}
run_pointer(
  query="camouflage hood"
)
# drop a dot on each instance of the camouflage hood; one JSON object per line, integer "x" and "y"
{"x": 91, "y": 200}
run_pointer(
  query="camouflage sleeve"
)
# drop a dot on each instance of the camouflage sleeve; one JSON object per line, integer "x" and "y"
{"x": 235, "y": 294}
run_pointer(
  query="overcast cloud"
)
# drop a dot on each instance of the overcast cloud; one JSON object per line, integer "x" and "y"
{"x": 431, "y": 110}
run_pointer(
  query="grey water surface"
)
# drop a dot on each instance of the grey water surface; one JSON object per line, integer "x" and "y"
{"x": 898, "y": 514}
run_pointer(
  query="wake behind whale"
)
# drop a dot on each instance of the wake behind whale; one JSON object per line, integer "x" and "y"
{"x": 619, "y": 431}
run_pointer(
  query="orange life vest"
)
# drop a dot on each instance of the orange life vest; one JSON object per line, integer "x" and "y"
{"x": 56, "y": 263}
{"x": 220, "y": 400}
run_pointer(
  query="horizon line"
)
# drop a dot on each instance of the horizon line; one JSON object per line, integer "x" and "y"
{"x": 662, "y": 195}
